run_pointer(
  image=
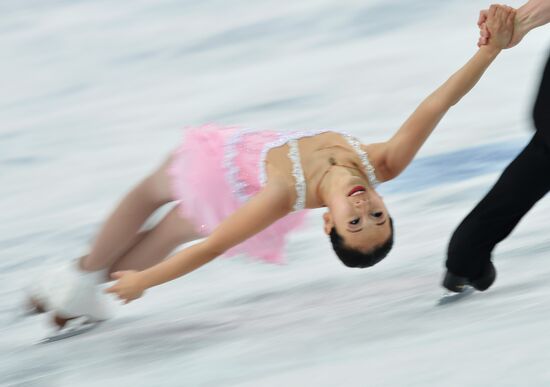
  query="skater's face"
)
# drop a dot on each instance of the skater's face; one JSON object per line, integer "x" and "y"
{"x": 359, "y": 215}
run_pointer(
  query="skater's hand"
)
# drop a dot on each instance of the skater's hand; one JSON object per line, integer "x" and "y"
{"x": 484, "y": 34}
{"x": 496, "y": 27}
{"x": 128, "y": 287}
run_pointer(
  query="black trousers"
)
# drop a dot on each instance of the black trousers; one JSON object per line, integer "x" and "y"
{"x": 524, "y": 182}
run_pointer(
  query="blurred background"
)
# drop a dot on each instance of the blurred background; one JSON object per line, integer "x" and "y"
{"x": 94, "y": 94}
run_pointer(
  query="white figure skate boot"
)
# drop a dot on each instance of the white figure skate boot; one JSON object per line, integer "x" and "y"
{"x": 69, "y": 292}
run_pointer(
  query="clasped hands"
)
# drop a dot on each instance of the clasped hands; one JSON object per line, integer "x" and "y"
{"x": 498, "y": 27}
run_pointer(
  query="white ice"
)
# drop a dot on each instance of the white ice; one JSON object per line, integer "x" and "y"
{"x": 94, "y": 95}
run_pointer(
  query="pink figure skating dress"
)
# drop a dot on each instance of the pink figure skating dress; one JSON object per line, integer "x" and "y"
{"x": 216, "y": 169}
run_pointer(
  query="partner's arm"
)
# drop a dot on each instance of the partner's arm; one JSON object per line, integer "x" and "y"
{"x": 398, "y": 152}
{"x": 269, "y": 205}
{"x": 533, "y": 14}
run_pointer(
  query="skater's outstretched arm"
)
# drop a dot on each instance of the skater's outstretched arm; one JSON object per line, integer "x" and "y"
{"x": 399, "y": 151}
{"x": 269, "y": 205}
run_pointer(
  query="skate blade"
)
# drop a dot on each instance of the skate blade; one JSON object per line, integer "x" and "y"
{"x": 71, "y": 327}
{"x": 451, "y": 297}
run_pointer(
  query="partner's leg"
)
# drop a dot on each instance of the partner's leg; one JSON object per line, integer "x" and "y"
{"x": 172, "y": 231}
{"x": 541, "y": 110}
{"x": 120, "y": 232}
{"x": 521, "y": 185}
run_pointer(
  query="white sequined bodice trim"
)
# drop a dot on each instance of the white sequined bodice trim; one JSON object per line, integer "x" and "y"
{"x": 232, "y": 174}
{"x": 367, "y": 166}
{"x": 298, "y": 173}
{"x": 294, "y": 155}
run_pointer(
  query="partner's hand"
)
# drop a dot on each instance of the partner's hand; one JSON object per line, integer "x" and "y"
{"x": 128, "y": 287}
{"x": 500, "y": 26}
{"x": 484, "y": 33}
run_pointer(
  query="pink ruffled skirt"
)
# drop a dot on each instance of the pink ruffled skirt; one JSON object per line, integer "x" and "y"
{"x": 214, "y": 171}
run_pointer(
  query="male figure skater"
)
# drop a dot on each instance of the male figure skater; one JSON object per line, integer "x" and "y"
{"x": 524, "y": 181}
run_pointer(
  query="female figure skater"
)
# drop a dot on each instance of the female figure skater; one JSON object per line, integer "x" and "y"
{"x": 244, "y": 191}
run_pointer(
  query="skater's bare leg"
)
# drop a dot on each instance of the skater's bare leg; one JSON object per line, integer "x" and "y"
{"x": 121, "y": 230}
{"x": 172, "y": 231}
{"x": 121, "y": 244}
{"x": 137, "y": 239}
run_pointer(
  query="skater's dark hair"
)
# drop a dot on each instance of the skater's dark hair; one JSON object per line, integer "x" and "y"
{"x": 355, "y": 258}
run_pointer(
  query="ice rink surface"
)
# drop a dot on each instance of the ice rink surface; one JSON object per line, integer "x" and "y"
{"x": 95, "y": 94}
